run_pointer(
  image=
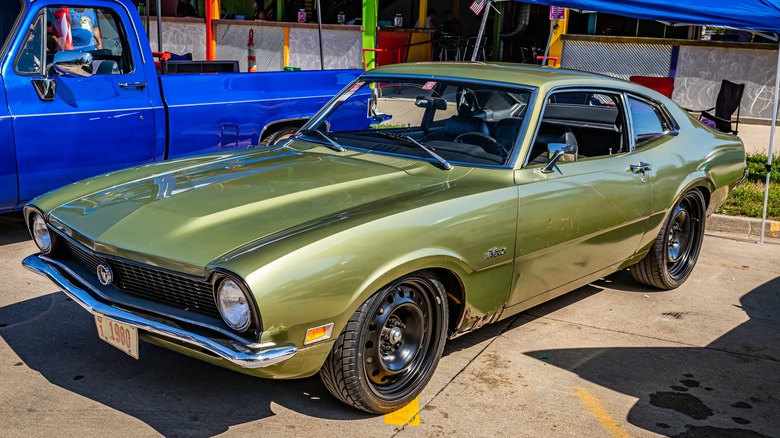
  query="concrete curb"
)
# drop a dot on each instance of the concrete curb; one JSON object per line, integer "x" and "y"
{"x": 743, "y": 225}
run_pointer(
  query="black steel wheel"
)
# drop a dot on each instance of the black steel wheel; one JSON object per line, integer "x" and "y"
{"x": 390, "y": 347}
{"x": 674, "y": 252}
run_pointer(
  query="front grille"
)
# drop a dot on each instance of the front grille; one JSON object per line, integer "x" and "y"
{"x": 154, "y": 284}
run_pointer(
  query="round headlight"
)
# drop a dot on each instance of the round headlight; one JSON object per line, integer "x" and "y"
{"x": 41, "y": 233}
{"x": 233, "y": 305}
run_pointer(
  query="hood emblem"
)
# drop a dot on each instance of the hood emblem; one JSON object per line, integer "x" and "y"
{"x": 105, "y": 274}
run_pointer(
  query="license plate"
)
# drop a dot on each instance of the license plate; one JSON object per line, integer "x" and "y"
{"x": 120, "y": 335}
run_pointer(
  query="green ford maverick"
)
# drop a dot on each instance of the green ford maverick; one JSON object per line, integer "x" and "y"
{"x": 422, "y": 202}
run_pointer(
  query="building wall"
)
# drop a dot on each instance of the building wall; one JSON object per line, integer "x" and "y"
{"x": 342, "y": 45}
{"x": 341, "y": 49}
{"x": 701, "y": 69}
{"x": 697, "y": 67}
{"x": 180, "y": 36}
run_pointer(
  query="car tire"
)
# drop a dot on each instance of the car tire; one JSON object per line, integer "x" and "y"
{"x": 390, "y": 347}
{"x": 674, "y": 252}
{"x": 282, "y": 133}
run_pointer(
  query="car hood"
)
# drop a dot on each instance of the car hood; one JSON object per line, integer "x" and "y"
{"x": 187, "y": 217}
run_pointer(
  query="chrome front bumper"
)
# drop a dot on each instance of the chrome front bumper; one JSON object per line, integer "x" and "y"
{"x": 242, "y": 355}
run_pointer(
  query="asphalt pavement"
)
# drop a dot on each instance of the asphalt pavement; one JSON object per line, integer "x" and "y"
{"x": 611, "y": 359}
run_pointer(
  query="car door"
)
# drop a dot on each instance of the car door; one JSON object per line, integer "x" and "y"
{"x": 85, "y": 125}
{"x": 585, "y": 215}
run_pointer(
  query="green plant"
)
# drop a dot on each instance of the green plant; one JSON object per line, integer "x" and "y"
{"x": 756, "y": 164}
{"x": 748, "y": 199}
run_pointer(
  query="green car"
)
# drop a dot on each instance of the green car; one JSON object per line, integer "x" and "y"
{"x": 424, "y": 201}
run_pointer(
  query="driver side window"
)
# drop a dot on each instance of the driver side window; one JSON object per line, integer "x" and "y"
{"x": 94, "y": 30}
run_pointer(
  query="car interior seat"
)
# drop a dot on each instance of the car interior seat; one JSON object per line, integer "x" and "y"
{"x": 505, "y": 133}
{"x": 106, "y": 67}
{"x": 541, "y": 156}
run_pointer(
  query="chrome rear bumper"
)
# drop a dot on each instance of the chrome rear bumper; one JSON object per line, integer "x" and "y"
{"x": 741, "y": 180}
{"x": 245, "y": 356}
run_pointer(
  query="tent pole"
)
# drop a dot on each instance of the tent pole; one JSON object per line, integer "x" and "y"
{"x": 319, "y": 35}
{"x": 159, "y": 25}
{"x": 481, "y": 31}
{"x": 771, "y": 141}
{"x": 549, "y": 39}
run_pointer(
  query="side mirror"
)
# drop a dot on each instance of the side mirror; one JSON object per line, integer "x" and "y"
{"x": 73, "y": 63}
{"x": 562, "y": 152}
{"x": 436, "y": 103}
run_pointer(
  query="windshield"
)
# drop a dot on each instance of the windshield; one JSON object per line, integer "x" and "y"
{"x": 461, "y": 123}
{"x": 9, "y": 12}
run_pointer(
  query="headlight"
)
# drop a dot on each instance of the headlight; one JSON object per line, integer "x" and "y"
{"x": 41, "y": 233}
{"x": 233, "y": 305}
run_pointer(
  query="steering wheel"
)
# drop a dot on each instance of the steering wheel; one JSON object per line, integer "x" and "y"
{"x": 486, "y": 142}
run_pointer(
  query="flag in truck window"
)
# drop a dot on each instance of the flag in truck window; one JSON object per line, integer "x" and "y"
{"x": 478, "y": 6}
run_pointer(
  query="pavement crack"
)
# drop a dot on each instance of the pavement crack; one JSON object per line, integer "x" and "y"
{"x": 507, "y": 325}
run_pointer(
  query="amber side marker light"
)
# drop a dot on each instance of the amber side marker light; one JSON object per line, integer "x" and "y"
{"x": 316, "y": 334}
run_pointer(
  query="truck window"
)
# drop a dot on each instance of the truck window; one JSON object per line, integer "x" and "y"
{"x": 29, "y": 60}
{"x": 95, "y": 30}
{"x": 9, "y": 13}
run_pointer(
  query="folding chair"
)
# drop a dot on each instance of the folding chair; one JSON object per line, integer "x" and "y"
{"x": 729, "y": 98}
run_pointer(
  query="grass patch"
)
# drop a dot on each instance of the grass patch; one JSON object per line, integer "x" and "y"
{"x": 748, "y": 199}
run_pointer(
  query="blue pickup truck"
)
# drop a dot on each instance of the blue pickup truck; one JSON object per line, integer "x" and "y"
{"x": 70, "y": 110}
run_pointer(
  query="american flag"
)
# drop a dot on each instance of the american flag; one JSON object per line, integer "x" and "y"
{"x": 478, "y": 6}
{"x": 61, "y": 28}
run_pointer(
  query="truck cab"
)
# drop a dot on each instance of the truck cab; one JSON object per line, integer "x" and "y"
{"x": 64, "y": 125}
{"x": 80, "y": 95}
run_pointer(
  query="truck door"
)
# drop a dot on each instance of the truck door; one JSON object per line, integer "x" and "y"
{"x": 68, "y": 127}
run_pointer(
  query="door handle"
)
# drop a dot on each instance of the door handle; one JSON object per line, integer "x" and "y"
{"x": 640, "y": 168}
{"x": 136, "y": 85}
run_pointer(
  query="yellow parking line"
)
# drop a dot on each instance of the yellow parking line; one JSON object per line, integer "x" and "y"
{"x": 408, "y": 415}
{"x": 594, "y": 406}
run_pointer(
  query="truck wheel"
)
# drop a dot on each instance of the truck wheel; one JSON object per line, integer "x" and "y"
{"x": 676, "y": 248}
{"x": 390, "y": 347}
{"x": 285, "y": 131}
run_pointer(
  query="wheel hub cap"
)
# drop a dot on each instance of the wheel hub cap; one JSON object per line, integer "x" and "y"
{"x": 677, "y": 237}
{"x": 395, "y": 336}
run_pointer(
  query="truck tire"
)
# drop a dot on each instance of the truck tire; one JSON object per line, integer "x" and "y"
{"x": 390, "y": 347}
{"x": 280, "y": 133}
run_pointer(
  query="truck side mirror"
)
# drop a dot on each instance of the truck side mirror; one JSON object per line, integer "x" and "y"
{"x": 73, "y": 63}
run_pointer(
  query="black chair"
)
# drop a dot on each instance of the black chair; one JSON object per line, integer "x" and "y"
{"x": 729, "y": 98}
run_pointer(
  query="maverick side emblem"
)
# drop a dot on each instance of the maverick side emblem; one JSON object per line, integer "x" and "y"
{"x": 105, "y": 274}
{"x": 495, "y": 252}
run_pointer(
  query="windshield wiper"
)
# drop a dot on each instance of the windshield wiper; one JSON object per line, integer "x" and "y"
{"x": 405, "y": 138}
{"x": 331, "y": 142}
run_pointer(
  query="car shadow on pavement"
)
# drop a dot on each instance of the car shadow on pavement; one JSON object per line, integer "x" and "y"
{"x": 12, "y": 229}
{"x": 172, "y": 393}
{"x": 727, "y": 388}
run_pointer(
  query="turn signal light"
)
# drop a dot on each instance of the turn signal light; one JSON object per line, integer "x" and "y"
{"x": 316, "y": 334}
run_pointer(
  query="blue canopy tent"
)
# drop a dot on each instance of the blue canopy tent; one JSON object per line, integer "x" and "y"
{"x": 757, "y": 15}
{"x": 743, "y": 14}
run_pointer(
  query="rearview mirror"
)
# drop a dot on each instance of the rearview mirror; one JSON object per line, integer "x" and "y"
{"x": 437, "y": 103}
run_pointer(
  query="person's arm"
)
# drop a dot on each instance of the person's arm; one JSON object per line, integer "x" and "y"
{"x": 98, "y": 39}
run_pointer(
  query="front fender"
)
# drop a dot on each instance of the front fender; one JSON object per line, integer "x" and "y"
{"x": 323, "y": 275}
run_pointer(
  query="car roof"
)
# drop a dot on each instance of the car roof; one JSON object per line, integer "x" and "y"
{"x": 521, "y": 74}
